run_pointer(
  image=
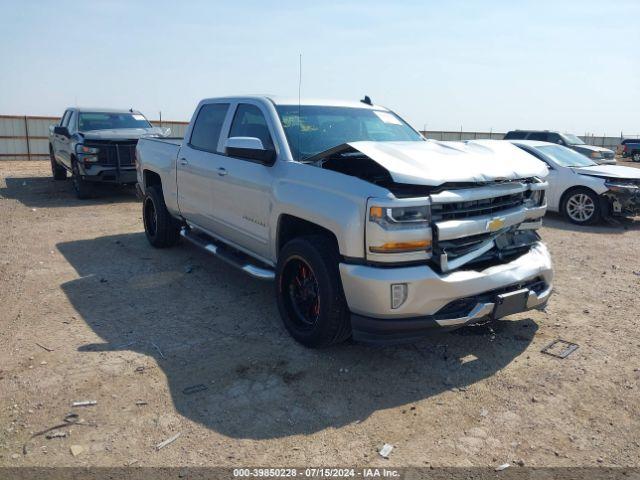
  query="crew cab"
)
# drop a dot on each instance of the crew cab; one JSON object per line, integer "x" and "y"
{"x": 97, "y": 145}
{"x": 367, "y": 229}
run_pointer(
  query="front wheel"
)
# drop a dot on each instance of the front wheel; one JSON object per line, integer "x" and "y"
{"x": 636, "y": 157}
{"x": 309, "y": 292}
{"x": 582, "y": 207}
{"x": 58, "y": 172}
{"x": 161, "y": 228}
{"x": 81, "y": 187}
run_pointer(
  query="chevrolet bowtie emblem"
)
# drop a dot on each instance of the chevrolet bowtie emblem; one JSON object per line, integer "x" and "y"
{"x": 495, "y": 224}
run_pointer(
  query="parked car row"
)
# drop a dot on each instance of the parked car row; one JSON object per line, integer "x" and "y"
{"x": 367, "y": 229}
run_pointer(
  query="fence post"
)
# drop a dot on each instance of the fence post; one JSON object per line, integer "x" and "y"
{"x": 26, "y": 132}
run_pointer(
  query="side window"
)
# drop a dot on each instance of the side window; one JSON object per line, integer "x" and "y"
{"x": 515, "y": 135}
{"x": 72, "y": 121}
{"x": 65, "y": 119}
{"x": 207, "y": 127}
{"x": 250, "y": 122}
{"x": 555, "y": 138}
{"x": 540, "y": 136}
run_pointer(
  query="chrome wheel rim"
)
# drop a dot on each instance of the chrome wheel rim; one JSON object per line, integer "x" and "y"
{"x": 636, "y": 157}
{"x": 580, "y": 207}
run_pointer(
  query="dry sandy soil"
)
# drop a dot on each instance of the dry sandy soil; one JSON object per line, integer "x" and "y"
{"x": 127, "y": 324}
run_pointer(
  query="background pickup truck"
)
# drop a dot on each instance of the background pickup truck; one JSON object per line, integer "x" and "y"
{"x": 97, "y": 145}
{"x": 630, "y": 147}
{"x": 368, "y": 229}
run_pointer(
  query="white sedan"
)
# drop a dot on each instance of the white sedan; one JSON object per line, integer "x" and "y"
{"x": 581, "y": 189}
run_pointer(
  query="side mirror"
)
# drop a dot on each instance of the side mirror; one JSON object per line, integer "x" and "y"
{"x": 64, "y": 131}
{"x": 250, "y": 148}
{"x": 560, "y": 141}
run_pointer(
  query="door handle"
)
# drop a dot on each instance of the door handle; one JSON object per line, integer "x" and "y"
{"x": 222, "y": 171}
{"x": 183, "y": 161}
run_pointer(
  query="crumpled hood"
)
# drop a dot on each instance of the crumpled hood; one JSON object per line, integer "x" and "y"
{"x": 434, "y": 163}
{"x": 122, "y": 133}
{"x": 611, "y": 171}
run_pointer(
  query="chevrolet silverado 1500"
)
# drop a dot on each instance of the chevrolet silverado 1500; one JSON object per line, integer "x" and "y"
{"x": 96, "y": 145}
{"x": 368, "y": 229}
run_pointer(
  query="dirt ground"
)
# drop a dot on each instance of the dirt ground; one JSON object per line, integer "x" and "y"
{"x": 131, "y": 327}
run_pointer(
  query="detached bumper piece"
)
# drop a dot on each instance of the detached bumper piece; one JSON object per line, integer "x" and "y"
{"x": 459, "y": 313}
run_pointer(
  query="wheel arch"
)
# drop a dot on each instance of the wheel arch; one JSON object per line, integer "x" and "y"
{"x": 151, "y": 179}
{"x": 572, "y": 189}
{"x": 291, "y": 226}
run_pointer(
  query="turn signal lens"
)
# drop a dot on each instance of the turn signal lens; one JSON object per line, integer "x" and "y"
{"x": 399, "y": 247}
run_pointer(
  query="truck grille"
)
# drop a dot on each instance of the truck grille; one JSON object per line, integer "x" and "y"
{"x": 115, "y": 154}
{"x": 485, "y": 206}
{"x": 461, "y": 246}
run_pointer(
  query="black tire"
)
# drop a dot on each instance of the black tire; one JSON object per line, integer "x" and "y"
{"x": 582, "y": 206}
{"x": 58, "y": 172}
{"x": 309, "y": 292}
{"x": 161, "y": 228}
{"x": 635, "y": 156}
{"x": 81, "y": 187}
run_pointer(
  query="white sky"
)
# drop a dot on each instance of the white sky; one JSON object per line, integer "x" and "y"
{"x": 567, "y": 65}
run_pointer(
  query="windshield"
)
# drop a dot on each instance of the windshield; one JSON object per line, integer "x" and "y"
{"x": 572, "y": 139}
{"x": 321, "y": 128}
{"x": 109, "y": 121}
{"x": 565, "y": 157}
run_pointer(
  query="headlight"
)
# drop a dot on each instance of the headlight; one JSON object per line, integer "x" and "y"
{"x": 87, "y": 154}
{"x": 398, "y": 233}
{"x": 620, "y": 185}
{"x": 83, "y": 149}
{"x": 388, "y": 217}
{"x": 535, "y": 198}
{"x": 595, "y": 155}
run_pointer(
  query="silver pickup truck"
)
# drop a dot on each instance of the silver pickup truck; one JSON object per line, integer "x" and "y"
{"x": 368, "y": 229}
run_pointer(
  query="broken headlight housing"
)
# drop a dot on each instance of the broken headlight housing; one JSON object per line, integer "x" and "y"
{"x": 619, "y": 184}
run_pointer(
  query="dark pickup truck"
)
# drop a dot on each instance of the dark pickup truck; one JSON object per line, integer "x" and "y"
{"x": 97, "y": 145}
{"x": 630, "y": 147}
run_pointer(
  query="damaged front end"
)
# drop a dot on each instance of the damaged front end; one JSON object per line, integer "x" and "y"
{"x": 622, "y": 197}
{"x": 477, "y": 216}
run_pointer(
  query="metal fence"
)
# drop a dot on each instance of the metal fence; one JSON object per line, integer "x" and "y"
{"x": 600, "y": 141}
{"x": 27, "y": 137}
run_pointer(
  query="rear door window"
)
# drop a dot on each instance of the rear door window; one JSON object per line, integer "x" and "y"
{"x": 208, "y": 125}
{"x": 540, "y": 136}
{"x": 250, "y": 122}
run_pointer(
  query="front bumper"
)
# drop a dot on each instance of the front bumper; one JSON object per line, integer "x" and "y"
{"x": 367, "y": 290}
{"x": 107, "y": 174}
{"x": 622, "y": 202}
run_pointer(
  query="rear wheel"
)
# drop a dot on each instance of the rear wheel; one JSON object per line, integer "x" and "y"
{"x": 81, "y": 187}
{"x": 582, "y": 207}
{"x": 161, "y": 228}
{"x": 636, "y": 157}
{"x": 309, "y": 292}
{"x": 58, "y": 172}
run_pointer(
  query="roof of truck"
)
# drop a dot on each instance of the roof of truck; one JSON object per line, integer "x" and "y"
{"x": 278, "y": 100}
{"x": 104, "y": 110}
